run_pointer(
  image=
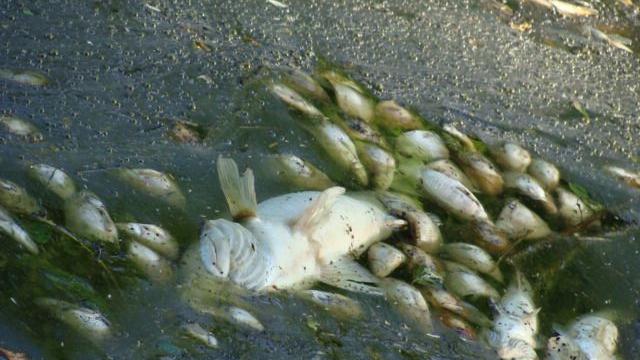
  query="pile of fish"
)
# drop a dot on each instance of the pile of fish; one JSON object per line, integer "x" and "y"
{"x": 414, "y": 183}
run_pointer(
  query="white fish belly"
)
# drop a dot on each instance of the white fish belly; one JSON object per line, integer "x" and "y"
{"x": 353, "y": 223}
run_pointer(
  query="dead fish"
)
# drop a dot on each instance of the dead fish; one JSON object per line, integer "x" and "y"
{"x": 450, "y": 169}
{"x": 465, "y": 140}
{"x": 463, "y": 282}
{"x": 86, "y": 322}
{"x": 10, "y": 228}
{"x": 305, "y": 85}
{"x": 16, "y": 199}
{"x": 392, "y": 116}
{"x": 459, "y": 325}
{"x": 86, "y": 215}
{"x": 25, "y": 77}
{"x": 380, "y": 165}
{"x": 21, "y": 128}
{"x": 572, "y": 209}
{"x": 518, "y": 222}
{"x": 472, "y": 257}
{"x": 295, "y": 100}
{"x": 452, "y": 196}
{"x": 384, "y": 259}
{"x": 298, "y": 172}
{"x": 490, "y": 237}
{"x": 153, "y": 183}
{"x": 528, "y": 186}
{"x": 336, "y": 304}
{"x": 425, "y": 233}
{"x": 350, "y": 97}
{"x": 421, "y": 145}
{"x": 409, "y": 302}
{"x": 293, "y": 240}
{"x": 152, "y": 236}
{"x": 511, "y": 157}
{"x": 482, "y": 172}
{"x": 630, "y": 178}
{"x": 154, "y": 266}
{"x": 53, "y": 179}
{"x": 196, "y": 331}
{"x": 425, "y": 269}
{"x": 341, "y": 149}
{"x": 545, "y": 173}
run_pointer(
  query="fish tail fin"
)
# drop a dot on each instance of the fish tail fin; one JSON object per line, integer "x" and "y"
{"x": 314, "y": 212}
{"x": 238, "y": 190}
{"x": 347, "y": 274}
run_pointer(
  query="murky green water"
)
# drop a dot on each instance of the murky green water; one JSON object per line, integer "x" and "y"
{"x": 123, "y": 73}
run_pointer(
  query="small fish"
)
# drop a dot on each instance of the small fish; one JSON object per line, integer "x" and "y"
{"x": 421, "y": 145}
{"x": 86, "y": 215}
{"x": 511, "y": 157}
{"x": 392, "y": 116}
{"x": 463, "y": 282}
{"x": 528, "y": 186}
{"x": 350, "y": 97}
{"x": 384, "y": 259}
{"x": 452, "y": 196}
{"x": 86, "y": 322}
{"x": 10, "y": 228}
{"x": 295, "y": 100}
{"x": 155, "y": 184}
{"x": 518, "y": 222}
{"x": 630, "y": 178}
{"x": 336, "y": 304}
{"x": 545, "y": 173}
{"x": 53, "y": 179}
{"x": 197, "y": 332}
{"x": 298, "y": 172}
{"x": 293, "y": 240}
{"x": 16, "y": 199}
{"x": 151, "y": 236}
{"x": 21, "y": 128}
{"x": 472, "y": 257}
{"x": 482, "y": 172}
{"x": 154, "y": 266}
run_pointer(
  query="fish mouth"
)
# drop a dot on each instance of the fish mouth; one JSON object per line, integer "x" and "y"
{"x": 225, "y": 245}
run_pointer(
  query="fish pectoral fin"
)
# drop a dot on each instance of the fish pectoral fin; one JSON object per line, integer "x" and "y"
{"x": 318, "y": 208}
{"x": 238, "y": 190}
{"x": 347, "y": 274}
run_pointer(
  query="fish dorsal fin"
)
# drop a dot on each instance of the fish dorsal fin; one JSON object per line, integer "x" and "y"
{"x": 345, "y": 273}
{"x": 239, "y": 191}
{"x": 318, "y": 208}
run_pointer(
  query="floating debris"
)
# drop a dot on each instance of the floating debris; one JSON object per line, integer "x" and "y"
{"x": 53, "y": 179}
{"x": 187, "y": 132}
{"x": 86, "y": 215}
{"x": 25, "y": 77}
{"x": 155, "y": 184}
{"x": 21, "y": 128}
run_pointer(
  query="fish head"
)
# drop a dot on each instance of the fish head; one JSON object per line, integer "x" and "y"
{"x": 222, "y": 245}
